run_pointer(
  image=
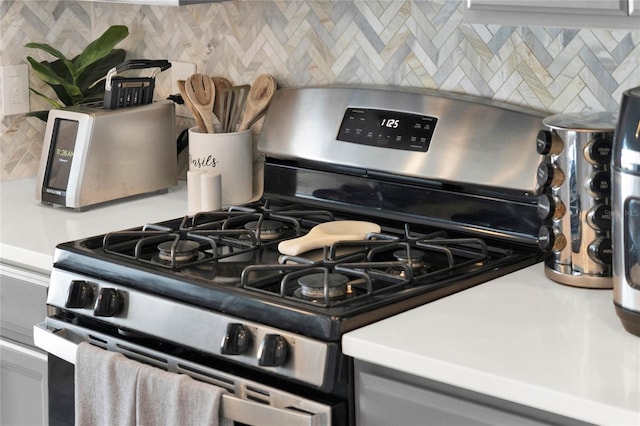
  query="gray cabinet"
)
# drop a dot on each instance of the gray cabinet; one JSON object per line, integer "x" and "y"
{"x": 23, "y": 385}
{"x": 622, "y": 14}
{"x": 23, "y": 367}
{"x": 388, "y": 397}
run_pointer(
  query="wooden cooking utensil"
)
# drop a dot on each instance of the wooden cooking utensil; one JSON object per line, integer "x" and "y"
{"x": 232, "y": 101}
{"x": 326, "y": 234}
{"x": 202, "y": 93}
{"x": 259, "y": 98}
{"x": 219, "y": 83}
{"x": 224, "y": 99}
{"x": 240, "y": 94}
{"x": 187, "y": 103}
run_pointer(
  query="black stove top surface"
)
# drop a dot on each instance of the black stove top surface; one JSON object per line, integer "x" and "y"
{"x": 229, "y": 261}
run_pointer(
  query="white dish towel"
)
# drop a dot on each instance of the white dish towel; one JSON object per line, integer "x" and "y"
{"x": 113, "y": 390}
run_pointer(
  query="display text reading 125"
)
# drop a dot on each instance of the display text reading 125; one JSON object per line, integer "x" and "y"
{"x": 390, "y": 122}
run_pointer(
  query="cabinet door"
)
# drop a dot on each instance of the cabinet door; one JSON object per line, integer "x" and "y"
{"x": 23, "y": 297}
{"x": 598, "y": 7}
{"x": 554, "y": 13}
{"x": 389, "y": 397}
{"x": 23, "y": 386}
{"x": 382, "y": 402}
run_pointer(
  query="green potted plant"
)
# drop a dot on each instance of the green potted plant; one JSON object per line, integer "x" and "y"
{"x": 81, "y": 79}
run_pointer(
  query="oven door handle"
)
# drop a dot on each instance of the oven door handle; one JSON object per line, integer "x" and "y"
{"x": 64, "y": 344}
{"x": 58, "y": 342}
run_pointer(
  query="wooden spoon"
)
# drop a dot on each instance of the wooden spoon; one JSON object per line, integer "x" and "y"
{"x": 260, "y": 96}
{"x": 326, "y": 234}
{"x": 187, "y": 102}
{"x": 219, "y": 83}
{"x": 202, "y": 93}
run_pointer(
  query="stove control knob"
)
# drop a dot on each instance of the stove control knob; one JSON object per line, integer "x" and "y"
{"x": 550, "y": 240}
{"x": 273, "y": 351}
{"x": 548, "y": 143}
{"x": 80, "y": 295}
{"x": 236, "y": 340}
{"x": 109, "y": 303}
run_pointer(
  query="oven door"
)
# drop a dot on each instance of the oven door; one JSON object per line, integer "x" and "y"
{"x": 246, "y": 402}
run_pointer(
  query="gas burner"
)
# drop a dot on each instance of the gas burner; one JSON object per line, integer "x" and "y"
{"x": 269, "y": 229}
{"x": 312, "y": 286}
{"x": 415, "y": 258}
{"x": 179, "y": 252}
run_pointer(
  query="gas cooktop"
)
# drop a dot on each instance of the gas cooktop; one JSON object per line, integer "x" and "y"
{"x": 213, "y": 258}
{"x": 225, "y": 288}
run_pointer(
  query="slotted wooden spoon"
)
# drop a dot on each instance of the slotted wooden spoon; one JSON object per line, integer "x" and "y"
{"x": 187, "y": 102}
{"x": 260, "y": 95}
{"x": 219, "y": 83}
{"x": 201, "y": 92}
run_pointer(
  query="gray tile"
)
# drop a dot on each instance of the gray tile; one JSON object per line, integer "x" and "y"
{"x": 414, "y": 43}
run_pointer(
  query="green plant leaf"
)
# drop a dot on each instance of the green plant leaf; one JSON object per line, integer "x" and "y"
{"x": 64, "y": 96}
{"x": 98, "y": 70}
{"x": 73, "y": 79}
{"x": 42, "y": 115}
{"x": 48, "y": 99}
{"x": 60, "y": 69}
{"x": 100, "y": 47}
{"x": 53, "y": 52}
{"x": 46, "y": 73}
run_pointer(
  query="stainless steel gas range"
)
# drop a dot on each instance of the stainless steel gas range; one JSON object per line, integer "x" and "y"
{"x": 448, "y": 180}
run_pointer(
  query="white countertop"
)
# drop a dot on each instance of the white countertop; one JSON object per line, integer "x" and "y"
{"x": 29, "y": 230}
{"x": 522, "y": 338}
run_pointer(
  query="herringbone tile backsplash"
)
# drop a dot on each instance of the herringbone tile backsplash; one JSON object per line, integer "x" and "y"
{"x": 406, "y": 43}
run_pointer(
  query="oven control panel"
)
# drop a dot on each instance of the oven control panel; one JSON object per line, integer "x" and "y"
{"x": 387, "y": 129}
{"x": 248, "y": 343}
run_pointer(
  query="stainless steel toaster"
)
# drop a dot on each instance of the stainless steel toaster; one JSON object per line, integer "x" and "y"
{"x": 92, "y": 155}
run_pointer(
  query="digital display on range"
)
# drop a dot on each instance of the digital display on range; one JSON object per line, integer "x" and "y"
{"x": 387, "y": 129}
{"x": 61, "y": 153}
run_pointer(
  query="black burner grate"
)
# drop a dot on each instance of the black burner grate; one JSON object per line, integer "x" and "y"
{"x": 372, "y": 266}
{"x": 220, "y": 235}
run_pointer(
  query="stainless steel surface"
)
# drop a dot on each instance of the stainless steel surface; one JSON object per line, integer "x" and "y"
{"x": 579, "y": 263}
{"x": 626, "y": 208}
{"x": 396, "y": 172}
{"x": 245, "y": 401}
{"x": 470, "y": 135}
{"x": 625, "y": 293}
{"x": 197, "y": 328}
{"x": 118, "y": 153}
{"x": 582, "y": 122}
